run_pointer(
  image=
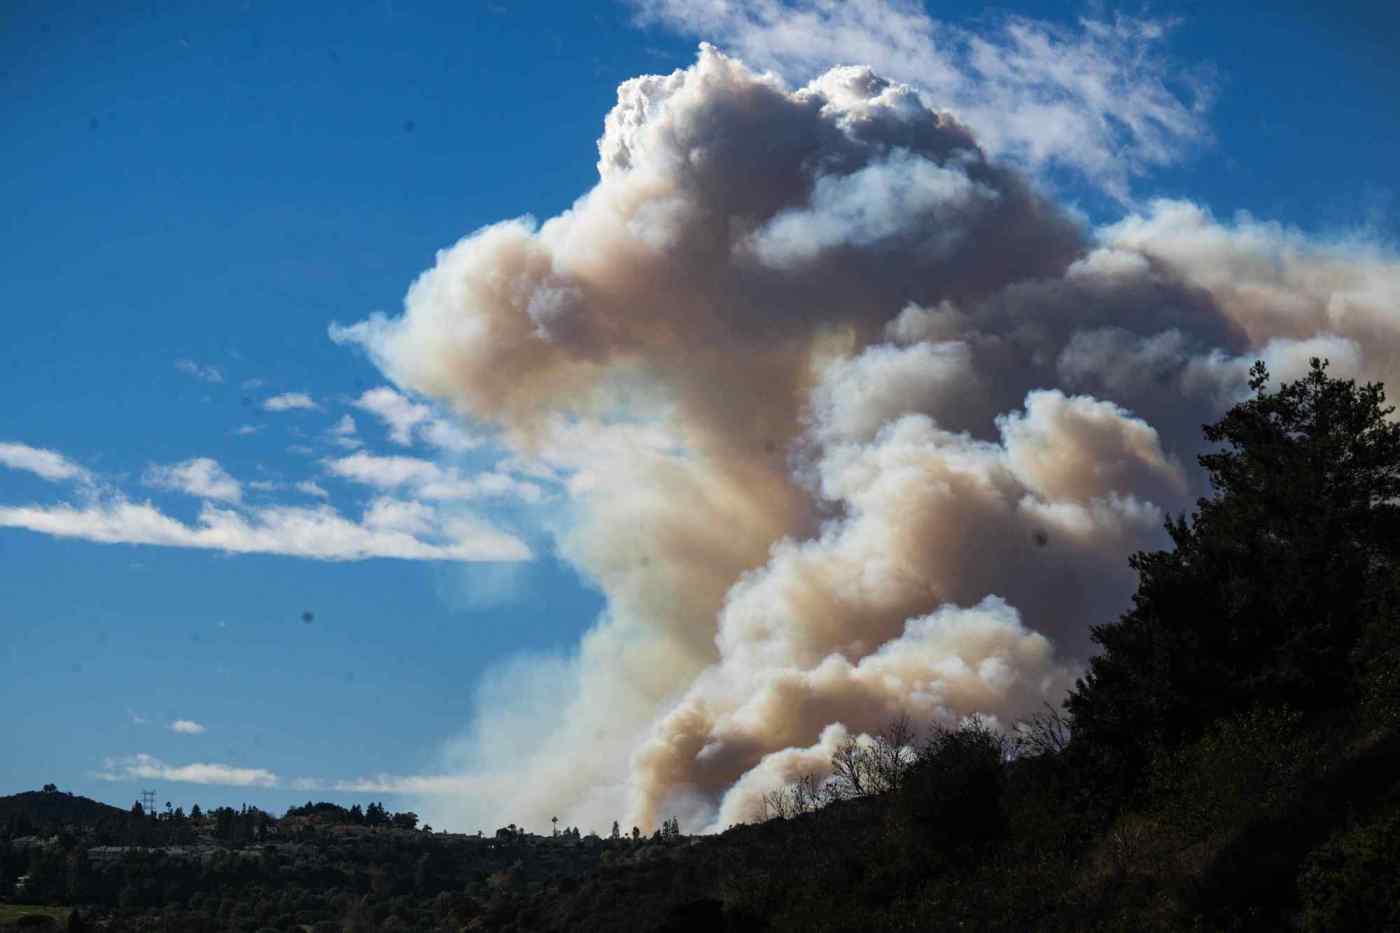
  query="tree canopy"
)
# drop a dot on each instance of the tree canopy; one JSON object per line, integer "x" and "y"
{"x": 1270, "y": 585}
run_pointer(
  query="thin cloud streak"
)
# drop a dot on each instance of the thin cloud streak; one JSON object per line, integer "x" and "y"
{"x": 143, "y": 767}
{"x": 427, "y": 480}
{"x": 210, "y": 374}
{"x": 291, "y": 401}
{"x": 319, "y": 533}
{"x": 47, "y": 464}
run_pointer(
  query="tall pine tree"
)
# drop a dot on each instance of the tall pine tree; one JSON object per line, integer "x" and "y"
{"x": 1269, "y": 587}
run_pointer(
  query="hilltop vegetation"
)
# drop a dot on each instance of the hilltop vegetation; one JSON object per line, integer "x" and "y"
{"x": 51, "y": 807}
{"x": 1230, "y": 761}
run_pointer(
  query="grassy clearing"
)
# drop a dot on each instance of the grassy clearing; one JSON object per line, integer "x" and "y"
{"x": 12, "y": 912}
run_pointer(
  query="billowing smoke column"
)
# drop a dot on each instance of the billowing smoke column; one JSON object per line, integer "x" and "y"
{"x": 856, "y": 423}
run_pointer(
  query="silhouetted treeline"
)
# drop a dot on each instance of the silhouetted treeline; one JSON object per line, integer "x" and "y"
{"x": 1229, "y": 761}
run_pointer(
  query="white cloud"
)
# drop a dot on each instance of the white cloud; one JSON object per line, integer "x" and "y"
{"x": 201, "y": 477}
{"x": 387, "y": 514}
{"x": 142, "y": 767}
{"x": 428, "y": 480}
{"x": 405, "y": 417}
{"x": 187, "y": 727}
{"x": 312, "y": 488}
{"x": 447, "y": 436}
{"x": 320, "y": 533}
{"x": 385, "y": 472}
{"x": 199, "y": 371}
{"x": 289, "y": 401}
{"x": 343, "y": 434}
{"x": 48, "y": 464}
{"x": 1099, "y": 97}
{"x": 245, "y": 430}
{"x": 396, "y": 411}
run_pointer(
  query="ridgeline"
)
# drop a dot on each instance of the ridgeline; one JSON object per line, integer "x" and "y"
{"x": 1230, "y": 761}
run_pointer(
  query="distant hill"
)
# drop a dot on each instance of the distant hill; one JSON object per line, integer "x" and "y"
{"x": 53, "y": 809}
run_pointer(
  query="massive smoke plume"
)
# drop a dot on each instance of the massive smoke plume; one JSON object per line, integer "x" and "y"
{"x": 856, "y": 422}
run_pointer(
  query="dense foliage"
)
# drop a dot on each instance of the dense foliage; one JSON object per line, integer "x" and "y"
{"x": 1269, "y": 588}
{"x": 1230, "y": 760}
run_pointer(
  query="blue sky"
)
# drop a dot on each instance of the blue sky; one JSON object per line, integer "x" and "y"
{"x": 194, "y": 193}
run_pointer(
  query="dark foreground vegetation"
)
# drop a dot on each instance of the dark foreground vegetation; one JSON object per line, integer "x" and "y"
{"x": 1230, "y": 761}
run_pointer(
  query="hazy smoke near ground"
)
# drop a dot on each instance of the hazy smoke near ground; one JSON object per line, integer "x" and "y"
{"x": 855, "y": 423}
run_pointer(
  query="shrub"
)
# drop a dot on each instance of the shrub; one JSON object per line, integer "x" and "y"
{"x": 1350, "y": 883}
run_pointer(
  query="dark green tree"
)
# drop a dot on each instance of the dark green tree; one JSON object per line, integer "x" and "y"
{"x": 224, "y": 819}
{"x": 949, "y": 802}
{"x": 1270, "y": 584}
{"x": 79, "y": 874}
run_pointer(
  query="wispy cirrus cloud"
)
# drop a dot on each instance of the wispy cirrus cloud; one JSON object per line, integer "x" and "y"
{"x": 200, "y": 371}
{"x": 200, "y": 477}
{"x": 428, "y": 480}
{"x": 319, "y": 533}
{"x": 47, "y": 464}
{"x": 1099, "y": 97}
{"x": 143, "y": 767}
{"x": 290, "y": 401}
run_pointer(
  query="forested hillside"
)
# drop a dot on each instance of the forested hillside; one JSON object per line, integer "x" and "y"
{"x": 1230, "y": 760}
